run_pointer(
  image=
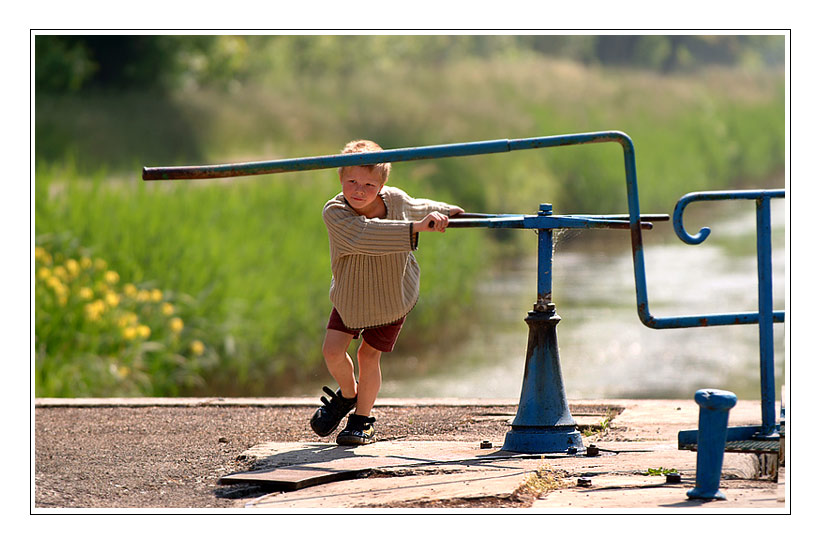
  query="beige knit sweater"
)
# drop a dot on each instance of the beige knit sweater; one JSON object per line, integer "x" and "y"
{"x": 375, "y": 276}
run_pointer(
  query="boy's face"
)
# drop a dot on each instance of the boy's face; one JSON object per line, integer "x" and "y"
{"x": 361, "y": 187}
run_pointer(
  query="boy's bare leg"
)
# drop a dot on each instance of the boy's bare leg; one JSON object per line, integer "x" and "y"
{"x": 370, "y": 378}
{"x": 338, "y": 361}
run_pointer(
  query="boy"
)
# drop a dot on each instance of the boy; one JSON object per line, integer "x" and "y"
{"x": 373, "y": 230}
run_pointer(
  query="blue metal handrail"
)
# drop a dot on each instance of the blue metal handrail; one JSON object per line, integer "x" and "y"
{"x": 765, "y": 315}
{"x": 764, "y": 252}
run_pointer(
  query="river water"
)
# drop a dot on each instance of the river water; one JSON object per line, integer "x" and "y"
{"x": 605, "y": 351}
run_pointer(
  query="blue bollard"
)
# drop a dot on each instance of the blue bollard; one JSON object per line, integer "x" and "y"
{"x": 712, "y": 427}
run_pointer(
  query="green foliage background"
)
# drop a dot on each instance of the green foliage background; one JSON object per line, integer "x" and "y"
{"x": 244, "y": 261}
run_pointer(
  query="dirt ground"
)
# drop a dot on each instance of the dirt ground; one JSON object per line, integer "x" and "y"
{"x": 161, "y": 457}
{"x": 116, "y": 453}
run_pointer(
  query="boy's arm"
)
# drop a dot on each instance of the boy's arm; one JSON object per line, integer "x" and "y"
{"x": 418, "y": 208}
{"x": 354, "y": 234}
{"x": 432, "y": 222}
{"x": 429, "y": 215}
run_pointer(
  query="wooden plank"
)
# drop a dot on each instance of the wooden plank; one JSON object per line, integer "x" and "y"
{"x": 289, "y": 479}
{"x": 300, "y": 476}
{"x": 299, "y": 465}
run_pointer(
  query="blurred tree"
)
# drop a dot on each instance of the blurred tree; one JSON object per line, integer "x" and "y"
{"x": 683, "y": 52}
{"x": 61, "y": 65}
{"x": 69, "y": 63}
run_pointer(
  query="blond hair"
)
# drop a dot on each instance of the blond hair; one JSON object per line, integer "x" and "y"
{"x": 367, "y": 146}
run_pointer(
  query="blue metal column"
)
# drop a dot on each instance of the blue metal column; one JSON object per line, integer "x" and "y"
{"x": 545, "y": 243}
{"x": 543, "y": 423}
{"x": 768, "y": 428}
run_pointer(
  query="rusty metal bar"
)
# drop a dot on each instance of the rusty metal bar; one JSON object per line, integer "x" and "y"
{"x": 322, "y": 162}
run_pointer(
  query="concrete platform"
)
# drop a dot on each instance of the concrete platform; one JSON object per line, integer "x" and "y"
{"x": 403, "y": 473}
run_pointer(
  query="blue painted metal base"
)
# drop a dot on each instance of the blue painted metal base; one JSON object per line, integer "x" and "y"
{"x": 543, "y": 423}
{"x": 701, "y": 494}
{"x": 543, "y": 440}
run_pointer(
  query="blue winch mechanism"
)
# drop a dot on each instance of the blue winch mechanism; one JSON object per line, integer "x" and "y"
{"x": 543, "y": 423}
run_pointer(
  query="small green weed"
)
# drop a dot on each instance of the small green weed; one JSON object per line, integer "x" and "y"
{"x": 661, "y": 472}
{"x": 603, "y": 428}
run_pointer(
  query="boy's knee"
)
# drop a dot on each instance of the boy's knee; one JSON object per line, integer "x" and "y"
{"x": 367, "y": 354}
{"x": 332, "y": 352}
{"x": 334, "y": 346}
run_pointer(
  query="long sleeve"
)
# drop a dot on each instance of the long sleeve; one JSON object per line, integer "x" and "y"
{"x": 415, "y": 209}
{"x": 355, "y": 234}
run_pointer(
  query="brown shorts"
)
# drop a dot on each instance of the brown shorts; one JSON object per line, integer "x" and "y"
{"x": 381, "y": 338}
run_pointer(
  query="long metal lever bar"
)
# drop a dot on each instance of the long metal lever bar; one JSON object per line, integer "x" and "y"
{"x": 554, "y": 222}
{"x": 392, "y": 155}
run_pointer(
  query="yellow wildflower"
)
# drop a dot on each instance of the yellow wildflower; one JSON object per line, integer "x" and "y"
{"x": 44, "y": 273}
{"x": 60, "y": 272}
{"x": 72, "y": 266}
{"x": 176, "y": 324}
{"x": 111, "y": 277}
{"x": 197, "y": 347}
{"x": 94, "y": 310}
{"x": 112, "y": 299}
{"x": 129, "y": 333}
{"x": 126, "y": 320}
{"x": 156, "y": 295}
{"x": 42, "y": 255}
{"x": 143, "y": 331}
{"x": 86, "y": 293}
{"x": 167, "y": 309}
{"x": 129, "y": 290}
{"x": 143, "y": 296}
{"x": 55, "y": 283}
{"x": 85, "y": 263}
{"x": 100, "y": 264}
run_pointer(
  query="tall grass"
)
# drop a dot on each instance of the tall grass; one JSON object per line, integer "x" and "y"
{"x": 249, "y": 256}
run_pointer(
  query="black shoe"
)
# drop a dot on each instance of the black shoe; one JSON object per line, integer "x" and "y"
{"x": 327, "y": 418}
{"x": 359, "y": 431}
